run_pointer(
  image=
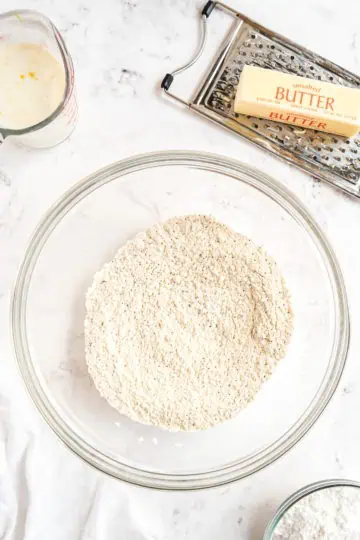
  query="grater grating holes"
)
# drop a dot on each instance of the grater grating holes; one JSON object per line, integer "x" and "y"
{"x": 328, "y": 151}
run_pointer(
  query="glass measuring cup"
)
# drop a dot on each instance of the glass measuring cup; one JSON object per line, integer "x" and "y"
{"x": 31, "y": 27}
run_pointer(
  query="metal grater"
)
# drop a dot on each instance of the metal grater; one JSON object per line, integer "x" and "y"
{"x": 327, "y": 157}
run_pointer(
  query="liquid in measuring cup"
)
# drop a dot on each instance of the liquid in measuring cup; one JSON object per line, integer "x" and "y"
{"x": 32, "y": 84}
{"x": 37, "y": 94}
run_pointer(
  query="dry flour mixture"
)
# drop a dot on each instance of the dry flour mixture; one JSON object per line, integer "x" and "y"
{"x": 185, "y": 324}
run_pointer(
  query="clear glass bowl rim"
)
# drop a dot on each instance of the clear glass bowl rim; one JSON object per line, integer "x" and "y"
{"x": 300, "y": 494}
{"x": 229, "y": 472}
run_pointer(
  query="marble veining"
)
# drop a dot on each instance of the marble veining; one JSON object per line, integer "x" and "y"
{"x": 121, "y": 50}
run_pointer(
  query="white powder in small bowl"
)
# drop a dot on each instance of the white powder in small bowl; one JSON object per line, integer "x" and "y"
{"x": 331, "y": 513}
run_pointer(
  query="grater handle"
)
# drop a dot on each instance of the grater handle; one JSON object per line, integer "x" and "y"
{"x": 169, "y": 77}
{"x": 207, "y": 10}
{"x": 167, "y": 81}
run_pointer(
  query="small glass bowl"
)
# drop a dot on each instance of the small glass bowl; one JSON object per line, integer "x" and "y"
{"x": 85, "y": 228}
{"x": 300, "y": 494}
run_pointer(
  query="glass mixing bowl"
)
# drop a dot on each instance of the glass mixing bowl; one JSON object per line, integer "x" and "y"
{"x": 86, "y": 227}
{"x": 303, "y": 492}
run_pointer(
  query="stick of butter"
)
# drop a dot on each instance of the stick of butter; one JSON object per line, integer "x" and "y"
{"x": 303, "y": 102}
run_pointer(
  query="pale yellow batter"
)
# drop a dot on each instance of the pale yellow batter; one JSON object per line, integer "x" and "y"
{"x": 32, "y": 84}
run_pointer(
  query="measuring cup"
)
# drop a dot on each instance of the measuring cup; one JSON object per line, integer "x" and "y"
{"x": 27, "y": 26}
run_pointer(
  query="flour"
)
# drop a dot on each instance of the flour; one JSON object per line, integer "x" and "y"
{"x": 185, "y": 324}
{"x": 330, "y": 513}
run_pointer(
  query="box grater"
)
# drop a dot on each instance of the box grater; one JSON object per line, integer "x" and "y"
{"x": 326, "y": 157}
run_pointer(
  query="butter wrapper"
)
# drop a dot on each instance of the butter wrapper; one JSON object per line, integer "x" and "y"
{"x": 299, "y": 101}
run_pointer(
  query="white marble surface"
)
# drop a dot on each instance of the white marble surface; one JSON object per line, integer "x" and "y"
{"x": 121, "y": 49}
